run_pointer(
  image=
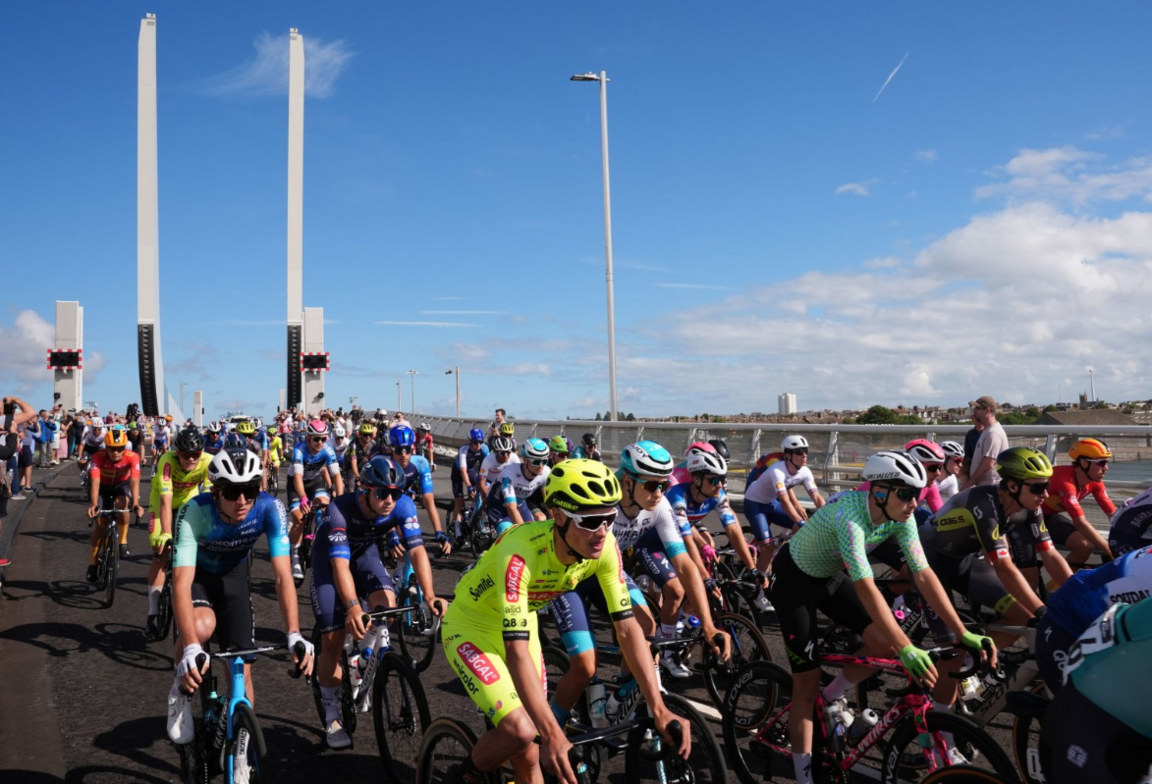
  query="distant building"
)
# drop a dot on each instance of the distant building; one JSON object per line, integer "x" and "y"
{"x": 1092, "y": 418}
{"x": 787, "y": 403}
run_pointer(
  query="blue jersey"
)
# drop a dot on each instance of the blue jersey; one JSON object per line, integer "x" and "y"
{"x": 205, "y": 541}
{"x": 346, "y": 530}
{"x": 309, "y": 465}
{"x": 689, "y": 513}
{"x": 213, "y": 445}
{"x": 1089, "y": 593}
{"x": 418, "y": 475}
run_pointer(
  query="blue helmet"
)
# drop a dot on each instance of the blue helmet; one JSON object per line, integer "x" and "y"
{"x": 476, "y": 434}
{"x": 381, "y": 472}
{"x": 235, "y": 441}
{"x": 646, "y": 458}
{"x": 401, "y": 435}
{"x": 534, "y": 449}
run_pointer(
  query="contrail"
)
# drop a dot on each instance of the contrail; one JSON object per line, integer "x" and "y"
{"x": 889, "y": 79}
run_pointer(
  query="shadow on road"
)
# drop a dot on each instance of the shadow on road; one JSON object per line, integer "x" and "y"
{"x": 121, "y": 643}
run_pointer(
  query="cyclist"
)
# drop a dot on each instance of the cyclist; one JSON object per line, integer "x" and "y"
{"x": 312, "y": 471}
{"x": 721, "y": 447}
{"x": 211, "y": 597}
{"x": 275, "y": 448}
{"x": 500, "y": 419}
{"x": 769, "y": 499}
{"x": 214, "y": 442}
{"x": 524, "y": 570}
{"x": 558, "y": 449}
{"x": 466, "y": 474}
{"x": 503, "y": 453}
{"x": 256, "y": 442}
{"x": 680, "y": 473}
{"x": 135, "y": 437}
{"x": 115, "y": 478}
{"x": 981, "y": 539}
{"x": 361, "y": 450}
{"x": 517, "y": 492}
{"x": 347, "y": 568}
{"x": 161, "y": 433}
{"x": 418, "y": 478}
{"x": 1130, "y": 525}
{"x": 340, "y": 444}
{"x": 90, "y": 443}
{"x": 824, "y": 567}
{"x": 953, "y": 463}
{"x": 180, "y": 474}
{"x": 503, "y": 430}
{"x": 1063, "y": 514}
{"x": 424, "y": 444}
{"x": 586, "y": 450}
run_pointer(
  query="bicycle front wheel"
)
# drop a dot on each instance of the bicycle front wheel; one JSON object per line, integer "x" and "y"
{"x": 747, "y": 645}
{"x": 419, "y": 629}
{"x": 447, "y": 743}
{"x": 400, "y": 714}
{"x": 246, "y": 752}
{"x": 705, "y": 763}
{"x": 111, "y": 563}
{"x": 910, "y": 755}
{"x": 963, "y": 774}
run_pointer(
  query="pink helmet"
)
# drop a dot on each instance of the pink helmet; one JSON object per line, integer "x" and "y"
{"x": 925, "y": 451}
{"x": 317, "y": 427}
{"x": 698, "y": 447}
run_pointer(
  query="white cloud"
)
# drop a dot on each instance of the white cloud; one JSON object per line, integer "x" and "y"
{"x": 854, "y": 188}
{"x": 24, "y": 354}
{"x": 1069, "y": 175}
{"x": 926, "y": 155}
{"x": 266, "y": 74}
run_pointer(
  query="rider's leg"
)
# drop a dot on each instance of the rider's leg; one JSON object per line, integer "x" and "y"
{"x": 512, "y": 740}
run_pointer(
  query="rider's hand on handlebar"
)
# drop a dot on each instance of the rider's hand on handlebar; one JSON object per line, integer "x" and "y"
{"x": 93, "y": 511}
{"x": 719, "y": 642}
{"x": 665, "y": 718}
{"x": 984, "y": 645}
{"x": 354, "y": 622}
{"x": 554, "y": 757}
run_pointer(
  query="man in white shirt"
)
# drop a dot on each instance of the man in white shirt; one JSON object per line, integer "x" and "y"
{"x": 993, "y": 440}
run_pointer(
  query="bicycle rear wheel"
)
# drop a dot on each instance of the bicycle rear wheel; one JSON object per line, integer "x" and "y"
{"x": 164, "y": 617}
{"x": 244, "y": 720}
{"x": 705, "y": 764}
{"x": 962, "y": 774}
{"x": 399, "y": 715}
{"x": 419, "y": 629}
{"x": 446, "y": 743}
{"x": 906, "y": 759}
{"x": 556, "y": 664}
{"x": 111, "y": 556}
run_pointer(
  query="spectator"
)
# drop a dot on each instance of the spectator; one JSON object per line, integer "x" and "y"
{"x": 47, "y": 428}
{"x": 57, "y": 435}
{"x": 992, "y": 441}
{"x": 15, "y": 414}
{"x": 75, "y": 433}
{"x": 501, "y": 416}
{"x": 28, "y": 433}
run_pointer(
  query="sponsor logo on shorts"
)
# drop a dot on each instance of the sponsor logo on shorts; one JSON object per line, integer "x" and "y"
{"x": 478, "y": 663}
{"x": 512, "y": 577}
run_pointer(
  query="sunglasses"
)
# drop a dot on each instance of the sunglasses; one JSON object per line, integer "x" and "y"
{"x": 1102, "y": 463}
{"x": 503, "y": 454}
{"x": 113, "y": 450}
{"x": 540, "y": 462}
{"x": 904, "y": 493}
{"x": 933, "y": 466}
{"x": 233, "y": 492}
{"x": 591, "y": 522}
{"x": 654, "y": 486}
{"x": 1038, "y": 488}
{"x": 190, "y": 455}
{"x": 715, "y": 480}
{"x": 799, "y": 451}
{"x": 318, "y": 439}
{"x": 384, "y": 493}
{"x": 404, "y": 450}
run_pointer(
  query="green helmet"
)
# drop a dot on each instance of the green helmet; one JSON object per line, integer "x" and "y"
{"x": 577, "y": 485}
{"x": 558, "y": 444}
{"x": 1023, "y": 463}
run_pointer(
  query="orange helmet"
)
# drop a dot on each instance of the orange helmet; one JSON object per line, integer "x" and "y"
{"x": 167, "y": 417}
{"x": 1091, "y": 448}
{"x": 116, "y": 438}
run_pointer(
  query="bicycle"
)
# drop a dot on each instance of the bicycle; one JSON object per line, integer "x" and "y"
{"x": 108, "y": 554}
{"x": 756, "y": 727}
{"x": 309, "y": 531}
{"x": 273, "y": 478}
{"x": 420, "y": 628}
{"x": 227, "y": 727}
{"x": 164, "y": 616}
{"x": 377, "y": 678}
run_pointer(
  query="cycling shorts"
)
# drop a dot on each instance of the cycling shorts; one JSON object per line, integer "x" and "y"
{"x": 109, "y": 493}
{"x": 1083, "y": 742}
{"x": 458, "y": 480}
{"x": 650, "y": 557}
{"x": 475, "y": 650}
{"x": 970, "y": 576}
{"x": 570, "y": 612}
{"x": 1052, "y": 644}
{"x": 1060, "y": 527}
{"x": 762, "y": 516}
{"x": 313, "y": 488}
{"x": 797, "y": 596}
{"x": 230, "y": 599}
{"x": 368, "y": 574}
{"x": 87, "y": 450}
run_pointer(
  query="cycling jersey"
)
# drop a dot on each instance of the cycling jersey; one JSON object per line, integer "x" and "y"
{"x": 418, "y": 476}
{"x": 205, "y": 541}
{"x": 469, "y": 459}
{"x": 1065, "y": 496}
{"x": 1116, "y": 677}
{"x": 309, "y": 465}
{"x": 973, "y": 520}
{"x": 775, "y": 481}
{"x": 689, "y": 512}
{"x": 257, "y": 444}
{"x": 656, "y": 529}
{"x": 92, "y": 439}
{"x": 362, "y": 451}
{"x": 340, "y": 448}
{"x": 841, "y": 534}
{"x": 161, "y": 433}
{"x": 109, "y": 473}
{"x": 490, "y": 467}
{"x": 1132, "y": 525}
{"x": 1088, "y": 593}
{"x": 275, "y": 450}
{"x": 511, "y": 486}
{"x": 213, "y": 445}
{"x": 171, "y": 479}
{"x": 580, "y": 453}
{"x": 345, "y": 530}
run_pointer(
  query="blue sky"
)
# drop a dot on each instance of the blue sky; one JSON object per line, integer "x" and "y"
{"x": 980, "y": 226}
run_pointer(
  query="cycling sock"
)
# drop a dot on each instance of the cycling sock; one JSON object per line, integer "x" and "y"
{"x": 123, "y": 532}
{"x": 153, "y": 600}
{"x": 667, "y": 630}
{"x": 95, "y": 549}
{"x": 330, "y": 696}
{"x": 803, "y": 765}
{"x": 837, "y": 688}
{"x": 561, "y": 714}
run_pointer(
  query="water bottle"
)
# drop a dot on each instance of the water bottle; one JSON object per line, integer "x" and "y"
{"x": 597, "y": 701}
{"x": 898, "y": 608}
{"x": 693, "y": 625}
{"x": 643, "y": 582}
{"x": 862, "y": 726}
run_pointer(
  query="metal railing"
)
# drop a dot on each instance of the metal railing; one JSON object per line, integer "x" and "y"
{"x": 837, "y": 452}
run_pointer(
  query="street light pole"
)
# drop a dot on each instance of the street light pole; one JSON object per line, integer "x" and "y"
{"x": 182, "y": 385}
{"x": 456, "y": 372}
{"x": 603, "y": 79}
{"x": 399, "y": 401}
{"x": 412, "y": 375}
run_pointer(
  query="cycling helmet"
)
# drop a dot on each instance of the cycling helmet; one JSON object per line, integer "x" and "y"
{"x": 317, "y": 427}
{"x": 699, "y": 446}
{"x": 707, "y": 463}
{"x": 559, "y": 444}
{"x": 589, "y": 440}
{"x": 368, "y": 429}
{"x": 131, "y": 425}
{"x": 381, "y": 472}
{"x": 97, "y": 424}
{"x": 338, "y": 432}
{"x": 896, "y": 467}
{"x": 502, "y": 444}
{"x": 235, "y": 466}
{"x": 272, "y": 429}
{"x": 577, "y": 485}
{"x": 1092, "y": 448}
{"x": 646, "y": 458}
{"x": 401, "y": 435}
{"x": 167, "y": 417}
{"x": 793, "y": 442}
{"x": 721, "y": 447}
{"x": 476, "y": 435}
{"x": 213, "y": 427}
{"x": 246, "y": 428}
{"x": 507, "y": 428}
{"x": 925, "y": 451}
{"x": 952, "y": 449}
{"x": 425, "y": 427}
{"x": 117, "y": 438}
{"x": 189, "y": 440}
{"x": 534, "y": 449}
{"x": 1023, "y": 463}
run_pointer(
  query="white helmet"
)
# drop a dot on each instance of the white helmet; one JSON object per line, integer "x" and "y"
{"x": 952, "y": 449}
{"x": 213, "y": 427}
{"x": 235, "y": 466}
{"x": 425, "y": 427}
{"x": 707, "y": 463}
{"x": 793, "y": 442}
{"x": 338, "y": 431}
{"x": 895, "y": 466}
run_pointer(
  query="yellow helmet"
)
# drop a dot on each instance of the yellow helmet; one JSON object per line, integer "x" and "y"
{"x": 507, "y": 428}
{"x": 576, "y": 485}
{"x": 246, "y": 428}
{"x": 116, "y": 438}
